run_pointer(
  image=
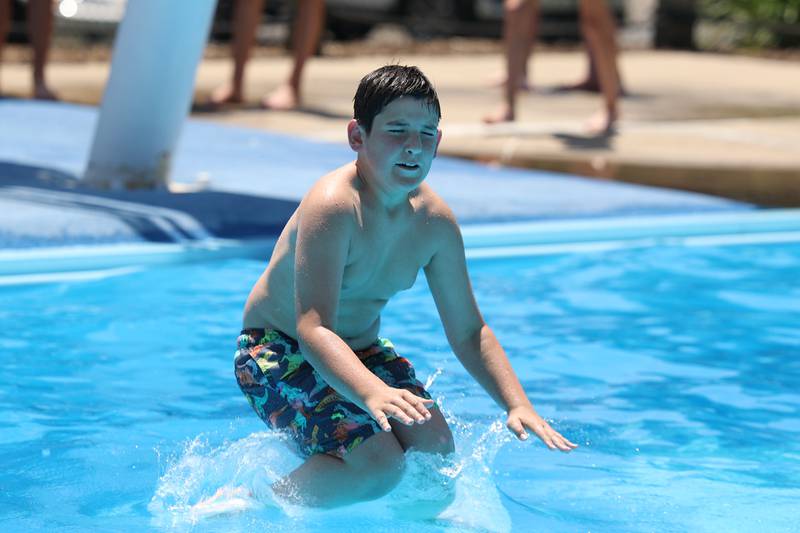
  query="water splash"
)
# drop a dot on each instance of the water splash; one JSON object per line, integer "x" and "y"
{"x": 477, "y": 501}
{"x": 200, "y": 469}
{"x": 432, "y": 378}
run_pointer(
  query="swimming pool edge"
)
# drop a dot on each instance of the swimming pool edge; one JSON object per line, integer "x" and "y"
{"x": 481, "y": 241}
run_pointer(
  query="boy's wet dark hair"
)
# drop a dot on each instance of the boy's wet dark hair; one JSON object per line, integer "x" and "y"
{"x": 384, "y": 85}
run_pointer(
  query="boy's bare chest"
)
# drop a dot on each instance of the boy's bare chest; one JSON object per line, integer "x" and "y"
{"x": 380, "y": 265}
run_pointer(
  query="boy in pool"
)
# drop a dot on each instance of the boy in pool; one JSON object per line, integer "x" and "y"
{"x": 309, "y": 359}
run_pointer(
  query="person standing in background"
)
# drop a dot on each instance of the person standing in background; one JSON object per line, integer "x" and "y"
{"x": 597, "y": 26}
{"x": 40, "y": 32}
{"x": 307, "y": 30}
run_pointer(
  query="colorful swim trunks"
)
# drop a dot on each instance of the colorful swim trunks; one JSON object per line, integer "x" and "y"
{"x": 287, "y": 393}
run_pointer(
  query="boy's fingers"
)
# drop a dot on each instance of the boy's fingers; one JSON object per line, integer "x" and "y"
{"x": 547, "y": 439}
{"x": 569, "y": 446}
{"x": 413, "y": 398}
{"x": 411, "y": 412}
{"x": 382, "y": 421}
{"x": 516, "y": 427}
{"x": 559, "y": 441}
{"x": 545, "y": 433}
{"x": 399, "y": 414}
{"x": 554, "y": 440}
{"x": 550, "y": 437}
{"x": 418, "y": 404}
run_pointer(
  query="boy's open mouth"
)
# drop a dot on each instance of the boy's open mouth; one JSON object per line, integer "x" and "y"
{"x": 410, "y": 166}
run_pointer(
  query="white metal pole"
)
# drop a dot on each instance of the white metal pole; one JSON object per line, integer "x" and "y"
{"x": 158, "y": 47}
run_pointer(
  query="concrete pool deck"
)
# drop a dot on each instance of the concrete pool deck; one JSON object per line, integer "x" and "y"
{"x": 720, "y": 124}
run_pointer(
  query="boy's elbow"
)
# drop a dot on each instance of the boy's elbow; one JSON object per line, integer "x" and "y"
{"x": 467, "y": 340}
{"x": 307, "y": 326}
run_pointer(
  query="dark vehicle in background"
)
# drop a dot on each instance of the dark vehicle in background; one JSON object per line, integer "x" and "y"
{"x": 87, "y": 20}
{"x": 96, "y": 20}
{"x": 349, "y": 19}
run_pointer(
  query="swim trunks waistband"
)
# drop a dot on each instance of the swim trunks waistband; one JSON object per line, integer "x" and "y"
{"x": 261, "y": 335}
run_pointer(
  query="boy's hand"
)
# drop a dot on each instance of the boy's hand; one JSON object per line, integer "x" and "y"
{"x": 520, "y": 418}
{"x": 399, "y": 404}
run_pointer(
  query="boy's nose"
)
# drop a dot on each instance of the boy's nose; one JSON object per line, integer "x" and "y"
{"x": 414, "y": 145}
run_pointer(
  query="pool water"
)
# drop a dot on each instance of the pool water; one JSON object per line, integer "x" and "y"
{"x": 676, "y": 370}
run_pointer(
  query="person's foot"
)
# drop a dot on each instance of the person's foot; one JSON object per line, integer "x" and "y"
{"x": 225, "y": 501}
{"x": 225, "y": 95}
{"x": 503, "y": 114}
{"x": 42, "y": 92}
{"x": 601, "y": 123}
{"x": 284, "y": 98}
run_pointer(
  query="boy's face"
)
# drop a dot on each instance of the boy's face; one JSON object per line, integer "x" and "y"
{"x": 401, "y": 145}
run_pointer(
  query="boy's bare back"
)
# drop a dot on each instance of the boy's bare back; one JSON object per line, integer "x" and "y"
{"x": 384, "y": 253}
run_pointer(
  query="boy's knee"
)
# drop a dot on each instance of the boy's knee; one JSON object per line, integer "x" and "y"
{"x": 434, "y": 436}
{"x": 379, "y": 463}
{"x": 436, "y": 443}
{"x": 385, "y": 477}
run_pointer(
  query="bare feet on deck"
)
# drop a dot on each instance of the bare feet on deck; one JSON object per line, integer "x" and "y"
{"x": 42, "y": 92}
{"x": 284, "y": 98}
{"x": 225, "y": 95}
{"x": 503, "y": 114}
{"x": 601, "y": 123}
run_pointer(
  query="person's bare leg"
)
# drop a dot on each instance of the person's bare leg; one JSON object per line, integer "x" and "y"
{"x": 524, "y": 84}
{"x": 5, "y": 25}
{"x": 372, "y": 469}
{"x": 517, "y": 22}
{"x": 40, "y": 30}
{"x": 590, "y": 82}
{"x": 246, "y": 18}
{"x": 599, "y": 31}
{"x": 306, "y": 35}
{"x": 432, "y": 437}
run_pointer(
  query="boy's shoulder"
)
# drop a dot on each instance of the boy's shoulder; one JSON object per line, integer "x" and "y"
{"x": 434, "y": 206}
{"x": 332, "y": 194}
{"x": 336, "y": 196}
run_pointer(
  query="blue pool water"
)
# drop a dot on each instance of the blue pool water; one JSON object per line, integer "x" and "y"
{"x": 676, "y": 369}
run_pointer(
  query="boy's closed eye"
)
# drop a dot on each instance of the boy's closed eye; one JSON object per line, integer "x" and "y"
{"x": 426, "y": 133}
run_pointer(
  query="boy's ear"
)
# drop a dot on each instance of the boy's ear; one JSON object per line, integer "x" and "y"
{"x": 355, "y": 135}
{"x": 438, "y": 140}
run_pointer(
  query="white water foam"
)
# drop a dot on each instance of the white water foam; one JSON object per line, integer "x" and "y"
{"x": 243, "y": 470}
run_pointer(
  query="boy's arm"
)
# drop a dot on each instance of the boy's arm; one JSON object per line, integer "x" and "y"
{"x": 323, "y": 239}
{"x": 473, "y": 341}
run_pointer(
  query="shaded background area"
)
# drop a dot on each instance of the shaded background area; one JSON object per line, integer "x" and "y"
{"x": 709, "y": 25}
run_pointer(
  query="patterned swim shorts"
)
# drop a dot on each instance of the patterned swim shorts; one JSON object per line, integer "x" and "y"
{"x": 287, "y": 393}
